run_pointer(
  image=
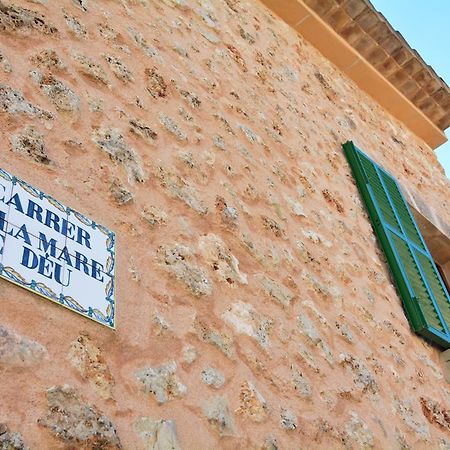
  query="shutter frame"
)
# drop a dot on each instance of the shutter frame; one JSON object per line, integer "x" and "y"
{"x": 408, "y": 234}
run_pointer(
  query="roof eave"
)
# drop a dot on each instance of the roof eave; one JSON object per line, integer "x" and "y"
{"x": 322, "y": 36}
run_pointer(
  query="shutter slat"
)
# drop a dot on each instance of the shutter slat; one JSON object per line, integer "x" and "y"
{"x": 433, "y": 278}
{"x": 376, "y": 185}
{"x": 424, "y": 296}
{"x": 403, "y": 211}
{"x": 419, "y": 287}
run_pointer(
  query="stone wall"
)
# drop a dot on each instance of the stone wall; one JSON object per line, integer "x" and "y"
{"x": 255, "y": 308}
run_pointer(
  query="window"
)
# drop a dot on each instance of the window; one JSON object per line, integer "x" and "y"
{"x": 422, "y": 290}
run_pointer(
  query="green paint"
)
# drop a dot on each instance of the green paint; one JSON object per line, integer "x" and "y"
{"x": 424, "y": 295}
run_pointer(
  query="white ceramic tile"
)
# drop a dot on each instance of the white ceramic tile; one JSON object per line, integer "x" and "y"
{"x": 88, "y": 292}
{"x": 96, "y": 242}
{"x": 25, "y": 194}
{"x": 22, "y": 263}
{"x": 50, "y": 268}
{"x": 4, "y": 210}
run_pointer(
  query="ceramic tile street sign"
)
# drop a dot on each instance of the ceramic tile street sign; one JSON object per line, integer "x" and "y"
{"x": 56, "y": 252}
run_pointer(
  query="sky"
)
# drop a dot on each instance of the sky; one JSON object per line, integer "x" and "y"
{"x": 425, "y": 24}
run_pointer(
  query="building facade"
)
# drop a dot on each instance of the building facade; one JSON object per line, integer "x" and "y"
{"x": 255, "y": 308}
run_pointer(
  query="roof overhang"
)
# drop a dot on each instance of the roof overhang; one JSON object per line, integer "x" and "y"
{"x": 314, "y": 28}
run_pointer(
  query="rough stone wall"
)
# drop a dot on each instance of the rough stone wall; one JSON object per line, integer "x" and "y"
{"x": 255, "y": 309}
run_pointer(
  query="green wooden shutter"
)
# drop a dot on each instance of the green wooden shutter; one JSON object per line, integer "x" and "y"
{"x": 424, "y": 295}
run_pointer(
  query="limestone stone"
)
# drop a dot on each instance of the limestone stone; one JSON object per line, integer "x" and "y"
{"x": 112, "y": 142}
{"x": 177, "y": 260}
{"x": 142, "y": 130}
{"x": 219, "y": 416}
{"x": 244, "y": 318}
{"x": 180, "y": 4}
{"x": 118, "y": 68}
{"x": 30, "y": 142}
{"x": 363, "y": 379}
{"x": 415, "y": 423}
{"x": 359, "y": 433}
{"x": 11, "y": 440}
{"x": 154, "y": 216}
{"x": 219, "y": 142}
{"x": 435, "y": 369}
{"x": 222, "y": 340}
{"x": 120, "y": 193}
{"x": 157, "y": 434}
{"x": 207, "y": 15}
{"x": 308, "y": 329}
{"x": 87, "y": 66}
{"x": 273, "y": 226}
{"x": 107, "y": 32}
{"x": 237, "y": 57}
{"x": 49, "y": 59}
{"x": 192, "y": 98}
{"x": 63, "y": 97}
{"x": 211, "y": 37}
{"x": 270, "y": 443}
{"x": 18, "y": 350}
{"x": 435, "y": 413}
{"x": 90, "y": 363}
{"x": 75, "y": 26}
{"x": 277, "y": 291}
{"x": 77, "y": 423}
{"x": 345, "y": 331}
{"x": 95, "y": 104}
{"x": 172, "y": 127}
{"x": 213, "y": 377}
{"x": 180, "y": 50}
{"x": 319, "y": 316}
{"x": 218, "y": 256}
{"x": 225, "y": 123}
{"x": 189, "y": 119}
{"x": 314, "y": 338}
{"x": 160, "y": 326}
{"x": 288, "y": 419}
{"x": 246, "y": 36}
{"x": 5, "y": 63}
{"x": 141, "y": 42}
{"x": 254, "y": 249}
{"x": 401, "y": 440}
{"x": 187, "y": 159}
{"x": 14, "y": 18}
{"x": 82, "y": 4}
{"x": 253, "y": 406}
{"x": 181, "y": 189}
{"x": 250, "y": 134}
{"x": 316, "y": 238}
{"x": 331, "y": 199}
{"x": 73, "y": 144}
{"x": 301, "y": 384}
{"x": 161, "y": 381}
{"x": 295, "y": 206}
{"x": 13, "y": 102}
{"x": 229, "y": 215}
{"x": 156, "y": 86}
{"x": 233, "y": 5}
{"x": 189, "y": 354}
